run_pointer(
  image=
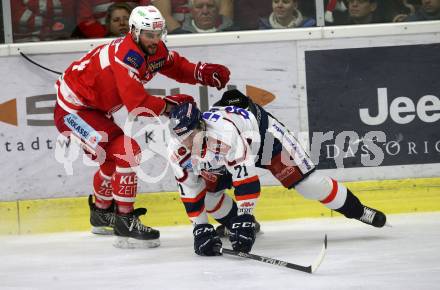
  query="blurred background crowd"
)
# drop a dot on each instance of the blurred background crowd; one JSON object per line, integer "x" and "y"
{"x": 42, "y": 20}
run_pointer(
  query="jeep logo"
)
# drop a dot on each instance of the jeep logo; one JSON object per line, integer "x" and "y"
{"x": 402, "y": 110}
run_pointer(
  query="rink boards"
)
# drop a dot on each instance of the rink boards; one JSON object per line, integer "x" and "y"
{"x": 166, "y": 209}
{"x": 375, "y": 82}
{"x": 331, "y": 80}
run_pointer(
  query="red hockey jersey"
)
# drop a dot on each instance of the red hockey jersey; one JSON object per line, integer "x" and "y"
{"x": 112, "y": 75}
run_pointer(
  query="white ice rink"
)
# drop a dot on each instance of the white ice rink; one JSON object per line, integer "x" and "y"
{"x": 406, "y": 256}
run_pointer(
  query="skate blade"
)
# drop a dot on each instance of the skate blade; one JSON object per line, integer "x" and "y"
{"x": 130, "y": 243}
{"x": 106, "y": 231}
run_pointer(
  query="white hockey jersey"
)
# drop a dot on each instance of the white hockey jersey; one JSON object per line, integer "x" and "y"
{"x": 229, "y": 145}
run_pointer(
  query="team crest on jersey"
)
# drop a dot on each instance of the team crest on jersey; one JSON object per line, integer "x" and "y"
{"x": 134, "y": 59}
{"x": 181, "y": 151}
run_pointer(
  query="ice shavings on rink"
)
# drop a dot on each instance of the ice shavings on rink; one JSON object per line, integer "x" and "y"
{"x": 405, "y": 256}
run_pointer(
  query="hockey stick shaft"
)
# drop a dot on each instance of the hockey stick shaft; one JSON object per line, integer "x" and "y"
{"x": 307, "y": 269}
{"x": 268, "y": 260}
{"x": 37, "y": 64}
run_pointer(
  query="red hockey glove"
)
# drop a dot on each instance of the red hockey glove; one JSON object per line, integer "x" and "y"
{"x": 176, "y": 100}
{"x": 213, "y": 75}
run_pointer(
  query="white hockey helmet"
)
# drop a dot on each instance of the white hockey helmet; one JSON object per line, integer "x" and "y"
{"x": 146, "y": 18}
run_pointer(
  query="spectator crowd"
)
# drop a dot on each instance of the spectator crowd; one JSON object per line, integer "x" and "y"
{"x": 41, "y": 20}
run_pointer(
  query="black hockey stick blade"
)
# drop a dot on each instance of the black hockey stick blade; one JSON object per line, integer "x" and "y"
{"x": 308, "y": 269}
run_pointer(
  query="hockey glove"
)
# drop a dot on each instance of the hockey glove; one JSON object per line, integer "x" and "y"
{"x": 176, "y": 100}
{"x": 213, "y": 75}
{"x": 242, "y": 234}
{"x": 206, "y": 240}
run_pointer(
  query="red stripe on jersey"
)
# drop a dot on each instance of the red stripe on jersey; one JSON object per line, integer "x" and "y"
{"x": 247, "y": 196}
{"x": 244, "y": 181}
{"x": 196, "y": 213}
{"x": 332, "y": 194}
{"x": 195, "y": 199}
{"x": 184, "y": 177}
{"x": 218, "y": 205}
{"x": 184, "y": 158}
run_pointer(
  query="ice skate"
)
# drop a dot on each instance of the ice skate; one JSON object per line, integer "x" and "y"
{"x": 373, "y": 217}
{"x": 102, "y": 220}
{"x": 353, "y": 208}
{"x": 131, "y": 233}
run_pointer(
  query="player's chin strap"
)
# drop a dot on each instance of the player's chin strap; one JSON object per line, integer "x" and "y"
{"x": 39, "y": 65}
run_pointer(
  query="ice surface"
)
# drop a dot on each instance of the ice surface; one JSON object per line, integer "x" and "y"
{"x": 405, "y": 256}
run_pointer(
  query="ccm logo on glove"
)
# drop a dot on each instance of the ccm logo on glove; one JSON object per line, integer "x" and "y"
{"x": 203, "y": 230}
{"x": 243, "y": 225}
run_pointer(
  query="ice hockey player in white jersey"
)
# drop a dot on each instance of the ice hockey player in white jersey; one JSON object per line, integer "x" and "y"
{"x": 222, "y": 147}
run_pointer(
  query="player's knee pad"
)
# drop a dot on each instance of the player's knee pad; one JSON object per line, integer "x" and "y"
{"x": 315, "y": 186}
{"x": 218, "y": 204}
{"x": 125, "y": 152}
{"x": 324, "y": 189}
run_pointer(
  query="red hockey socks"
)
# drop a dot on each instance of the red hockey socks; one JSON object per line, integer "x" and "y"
{"x": 103, "y": 190}
{"x": 124, "y": 183}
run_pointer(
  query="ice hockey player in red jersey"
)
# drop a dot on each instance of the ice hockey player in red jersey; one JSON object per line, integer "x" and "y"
{"x": 224, "y": 146}
{"x": 104, "y": 80}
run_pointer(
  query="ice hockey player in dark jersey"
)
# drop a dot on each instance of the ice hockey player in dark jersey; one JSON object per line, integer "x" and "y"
{"x": 225, "y": 146}
{"x": 107, "y": 78}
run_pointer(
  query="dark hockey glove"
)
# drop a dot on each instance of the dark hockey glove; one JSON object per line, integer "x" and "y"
{"x": 213, "y": 75}
{"x": 206, "y": 240}
{"x": 242, "y": 234}
{"x": 176, "y": 100}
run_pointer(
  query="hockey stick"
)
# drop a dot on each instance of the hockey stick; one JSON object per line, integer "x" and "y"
{"x": 39, "y": 65}
{"x": 308, "y": 269}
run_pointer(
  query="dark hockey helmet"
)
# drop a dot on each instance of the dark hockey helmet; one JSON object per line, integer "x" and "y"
{"x": 184, "y": 119}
